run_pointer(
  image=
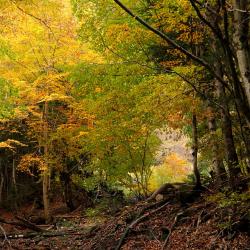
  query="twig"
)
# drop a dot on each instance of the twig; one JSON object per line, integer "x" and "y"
{"x": 44, "y": 234}
{"x": 69, "y": 216}
{"x": 5, "y": 237}
{"x": 171, "y": 230}
{"x": 152, "y": 233}
{"x": 136, "y": 221}
{"x": 199, "y": 220}
{"x": 41, "y": 21}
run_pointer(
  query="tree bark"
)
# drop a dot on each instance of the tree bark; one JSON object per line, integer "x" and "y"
{"x": 14, "y": 182}
{"x": 46, "y": 172}
{"x": 195, "y": 152}
{"x": 231, "y": 155}
{"x": 241, "y": 10}
{"x": 1, "y": 187}
{"x": 218, "y": 166}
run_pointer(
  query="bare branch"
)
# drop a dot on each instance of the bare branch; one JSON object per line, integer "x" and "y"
{"x": 34, "y": 17}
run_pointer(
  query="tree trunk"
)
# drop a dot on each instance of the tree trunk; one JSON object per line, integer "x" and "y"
{"x": 1, "y": 187}
{"x": 195, "y": 152}
{"x": 46, "y": 172}
{"x": 231, "y": 155}
{"x": 218, "y": 166}
{"x": 65, "y": 179}
{"x": 241, "y": 35}
{"x": 14, "y": 187}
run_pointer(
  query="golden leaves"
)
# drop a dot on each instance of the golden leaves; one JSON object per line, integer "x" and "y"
{"x": 30, "y": 163}
{"x": 11, "y": 144}
{"x": 173, "y": 169}
{"x": 55, "y": 97}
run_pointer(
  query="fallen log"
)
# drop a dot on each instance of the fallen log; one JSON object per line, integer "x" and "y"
{"x": 164, "y": 189}
{"x": 22, "y": 223}
{"x": 29, "y": 224}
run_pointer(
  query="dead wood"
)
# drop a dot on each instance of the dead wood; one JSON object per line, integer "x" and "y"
{"x": 30, "y": 235}
{"x": 69, "y": 216}
{"x": 22, "y": 223}
{"x": 180, "y": 191}
{"x": 29, "y": 225}
{"x": 164, "y": 189}
{"x": 5, "y": 237}
{"x": 136, "y": 221}
{"x": 171, "y": 230}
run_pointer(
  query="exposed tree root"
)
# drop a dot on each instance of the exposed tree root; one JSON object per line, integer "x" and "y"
{"x": 164, "y": 246}
{"x": 136, "y": 221}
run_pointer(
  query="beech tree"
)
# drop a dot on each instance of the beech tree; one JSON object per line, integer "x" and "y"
{"x": 222, "y": 74}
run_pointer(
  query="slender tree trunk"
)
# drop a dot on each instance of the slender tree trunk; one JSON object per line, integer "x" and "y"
{"x": 218, "y": 166}
{"x": 1, "y": 182}
{"x": 46, "y": 172}
{"x": 14, "y": 182}
{"x": 241, "y": 10}
{"x": 195, "y": 152}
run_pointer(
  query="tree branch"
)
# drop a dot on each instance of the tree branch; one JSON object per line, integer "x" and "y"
{"x": 164, "y": 70}
{"x": 217, "y": 31}
{"x": 172, "y": 42}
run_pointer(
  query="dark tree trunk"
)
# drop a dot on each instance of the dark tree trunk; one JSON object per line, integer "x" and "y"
{"x": 14, "y": 186}
{"x": 195, "y": 152}
{"x": 1, "y": 187}
{"x": 67, "y": 187}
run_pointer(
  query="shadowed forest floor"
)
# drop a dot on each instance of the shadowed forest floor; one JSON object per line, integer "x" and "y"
{"x": 156, "y": 225}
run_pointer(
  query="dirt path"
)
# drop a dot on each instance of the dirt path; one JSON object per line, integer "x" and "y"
{"x": 150, "y": 226}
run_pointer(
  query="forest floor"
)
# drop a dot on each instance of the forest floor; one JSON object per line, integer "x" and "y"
{"x": 166, "y": 224}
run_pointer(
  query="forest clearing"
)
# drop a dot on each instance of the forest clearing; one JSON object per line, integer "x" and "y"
{"x": 125, "y": 124}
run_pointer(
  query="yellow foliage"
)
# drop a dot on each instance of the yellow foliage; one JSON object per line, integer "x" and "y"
{"x": 98, "y": 90}
{"x": 173, "y": 169}
{"x": 30, "y": 163}
{"x": 6, "y": 146}
{"x": 11, "y": 144}
{"x": 43, "y": 35}
{"x": 55, "y": 97}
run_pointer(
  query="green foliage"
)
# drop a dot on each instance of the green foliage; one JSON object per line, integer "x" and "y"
{"x": 92, "y": 212}
{"x": 89, "y": 183}
{"x": 5, "y": 50}
{"x": 230, "y": 199}
{"x": 8, "y": 95}
{"x": 104, "y": 206}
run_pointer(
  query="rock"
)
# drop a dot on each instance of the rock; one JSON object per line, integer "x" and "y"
{"x": 159, "y": 197}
